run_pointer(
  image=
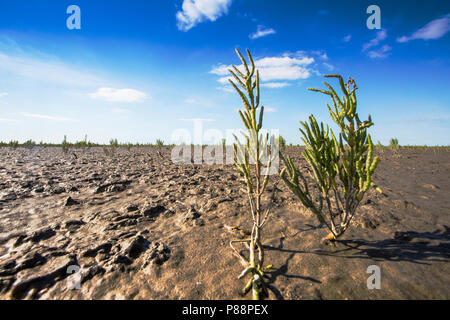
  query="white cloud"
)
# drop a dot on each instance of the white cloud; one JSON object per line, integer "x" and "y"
{"x": 118, "y": 95}
{"x": 261, "y": 32}
{"x": 273, "y": 68}
{"x": 45, "y": 117}
{"x": 347, "y": 38}
{"x": 381, "y": 35}
{"x": 3, "y": 94}
{"x": 383, "y": 52}
{"x": 197, "y": 11}
{"x": 269, "y": 109}
{"x": 275, "y": 84}
{"x": 270, "y": 62}
{"x": 432, "y": 30}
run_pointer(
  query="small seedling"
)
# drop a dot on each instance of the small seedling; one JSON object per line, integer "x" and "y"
{"x": 342, "y": 167}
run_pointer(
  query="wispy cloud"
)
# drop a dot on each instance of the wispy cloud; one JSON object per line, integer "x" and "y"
{"x": 275, "y": 84}
{"x": 270, "y": 109}
{"x": 433, "y": 30}
{"x": 45, "y": 117}
{"x": 45, "y": 71}
{"x": 196, "y": 11}
{"x": 319, "y": 53}
{"x": 3, "y": 94}
{"x": 381, "y": 35}
{"x": 328, "y": 66}
{"x": 347, "y": 38}
{"x": 261, "y": 32}
{"x": 381, "y": 53}
{"x": 7, "y": 120}
{"x": 118, "y": 95}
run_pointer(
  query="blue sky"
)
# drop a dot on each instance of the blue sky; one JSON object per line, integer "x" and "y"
{"x": 140, "y": 70}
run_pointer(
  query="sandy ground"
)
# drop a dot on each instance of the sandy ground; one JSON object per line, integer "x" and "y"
{"x": 136, "y": 226}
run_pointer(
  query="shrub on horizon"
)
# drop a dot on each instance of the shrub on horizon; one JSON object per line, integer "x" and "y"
{"x": 159, "y": 143}
{"x": 14, "y": 144}
{"x": 65, "y": 145}
{"x": 393, "y": 144}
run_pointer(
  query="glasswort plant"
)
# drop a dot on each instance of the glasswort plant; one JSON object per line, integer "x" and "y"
{"x": 342, "y": 168}
{"x": 247, "y": 156}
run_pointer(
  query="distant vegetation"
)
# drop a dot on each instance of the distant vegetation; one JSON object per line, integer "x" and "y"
{"x": 65, "y": 144}
{"x": 85, "y": 143}
{"x": 282, "y": 143}
{"x": 393, "y": 144}
{"x": 159, "y": 143}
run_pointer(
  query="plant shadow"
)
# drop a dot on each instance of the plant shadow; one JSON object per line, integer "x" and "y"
{"x": 271, "y": 276}
{"x": 411, "y": 246}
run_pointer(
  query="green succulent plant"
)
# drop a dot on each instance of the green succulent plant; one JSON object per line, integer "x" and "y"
{"x": 341, "y": 167}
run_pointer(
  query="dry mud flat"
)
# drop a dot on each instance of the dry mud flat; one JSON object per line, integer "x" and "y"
{"x": 136, "y": 226}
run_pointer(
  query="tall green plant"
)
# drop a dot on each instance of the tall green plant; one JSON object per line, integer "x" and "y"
{"x": 252, "y": 163}
{"x": 342, "y": 168}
